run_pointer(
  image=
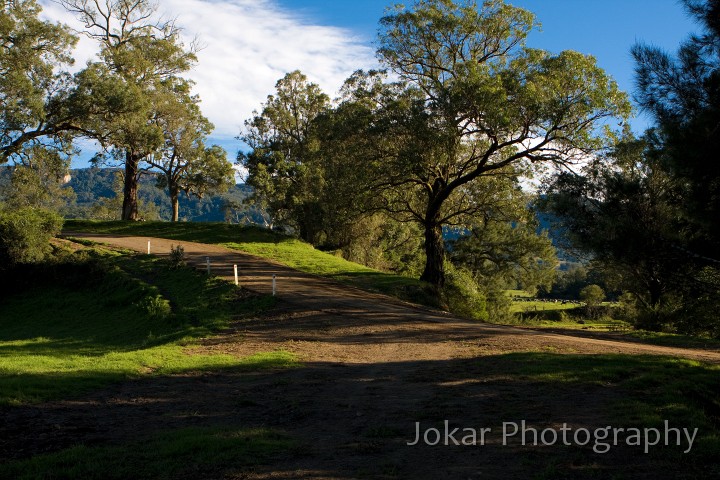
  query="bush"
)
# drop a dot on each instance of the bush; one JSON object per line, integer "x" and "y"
{"x": 592, "y": 295}
{"x": 155, "y": 307}
{"x": 25, "y": 235}
{"x": 177, "y": 257}
{"x": 498, "y": 305}
{"x": 627, "y": 308}
{"x": 558, "y": 316}
{"x": 72, "y": 269}
{"x": 462, "y": 295}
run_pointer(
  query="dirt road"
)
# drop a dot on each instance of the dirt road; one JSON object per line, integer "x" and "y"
{"x": 372, "y": 368}
{"x": 326, "y": 321}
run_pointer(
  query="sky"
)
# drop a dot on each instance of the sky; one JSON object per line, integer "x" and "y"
{"x": 247, "y": 45}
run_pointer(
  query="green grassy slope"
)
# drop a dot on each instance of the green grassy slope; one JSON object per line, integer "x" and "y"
{"x": 131, "y": 316}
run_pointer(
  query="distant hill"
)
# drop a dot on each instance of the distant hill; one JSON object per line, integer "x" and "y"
{"x": 93, "y": 184}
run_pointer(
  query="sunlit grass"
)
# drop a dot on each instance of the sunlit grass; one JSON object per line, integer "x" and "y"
{"x": 540, "y": 306}
{"x": 61, "y": 340}
{"x": 267, "y": 244}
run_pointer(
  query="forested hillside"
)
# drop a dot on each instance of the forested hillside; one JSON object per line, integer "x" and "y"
{"x": 95, "y": 195}
{"x": 94, "y": 186}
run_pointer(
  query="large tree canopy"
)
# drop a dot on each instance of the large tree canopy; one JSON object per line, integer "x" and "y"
{"x": 140, "y": 55}
{"x": 471, "y": 100}
{"x": 683, "y": 94}
{"x": 33, "y": 82}
{"x": 282, "y": 164}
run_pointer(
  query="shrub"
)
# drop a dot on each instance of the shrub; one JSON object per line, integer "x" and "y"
{"x": 627, "y": 308}
{"x": 498, "y": 305}
{"x": 177, "y": 256}
{"x": 462, "y": 295}
{"x": 558, "y": 316}
{"x": 155, "y": 307}
{"x": 25, "y": 235}
{"x": 593, "y": 295}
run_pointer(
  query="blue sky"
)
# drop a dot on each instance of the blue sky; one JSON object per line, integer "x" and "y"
{"x": 250, "y": 44}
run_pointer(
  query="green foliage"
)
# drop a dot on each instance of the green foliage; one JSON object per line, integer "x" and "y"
{"x": 627, "y": 307}
{"x": 592, "y": 295}
{"x": 282, "y": 165}
{"x": 569, "y": 280}
{"x": 469, "y": 98}
{"x": 682, "y": 92}
{"x": 39, "y": 181}
{"x": 380, "y": 242}
{"x": 155, "y": 307}
{"x": 177, "y": 256}
{"x": 462, "y": 295}
{"x": 502, "y": 248}
{"x": 621, "y": 211}
{"x": 141, "y": 59}
{"x": 25, "y": 235}
{"x": 184, "y": 163}
{"x": 34, "y": 84}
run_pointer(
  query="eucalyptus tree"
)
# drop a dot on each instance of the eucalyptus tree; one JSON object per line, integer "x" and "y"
{"x": 471, "y": 100}
{"x": 34, "y": 83}
{"x": 140, "y": 59}
{"x": 185, "y": 163}
{"x": 283, "y": 164}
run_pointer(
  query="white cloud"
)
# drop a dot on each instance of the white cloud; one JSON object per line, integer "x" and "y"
{"x": 247, "y": 46}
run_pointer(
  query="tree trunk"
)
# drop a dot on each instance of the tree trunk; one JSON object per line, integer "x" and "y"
{"x": 174, "y": 194}
{"x": 655, "y": 289}
{"x": 306, "y": 226}
{"x": 434, "y": 272}
{"x": 130, "y": 188}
